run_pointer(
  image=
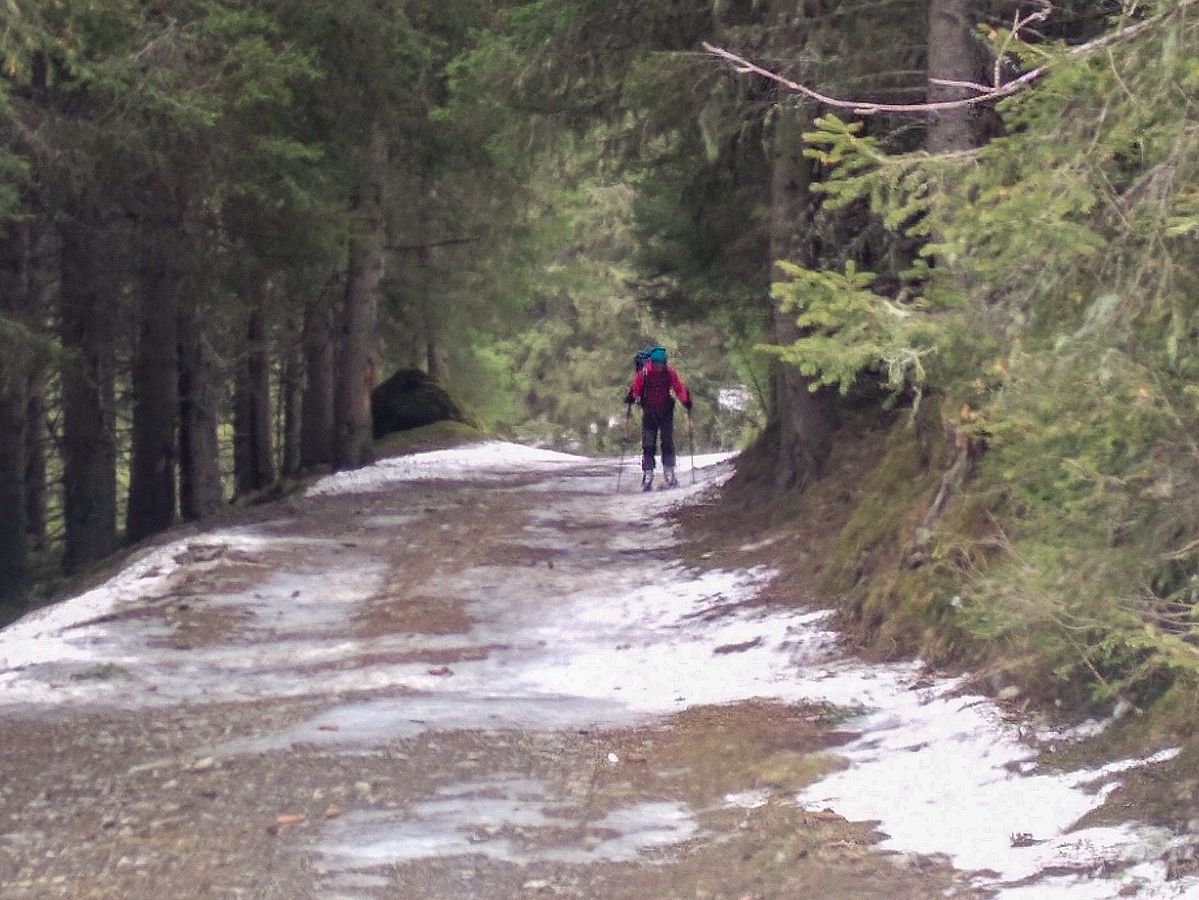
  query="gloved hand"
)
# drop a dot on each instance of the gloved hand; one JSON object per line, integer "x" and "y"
{"x": 628, "y": 398}
{"x": 687, "y": 404}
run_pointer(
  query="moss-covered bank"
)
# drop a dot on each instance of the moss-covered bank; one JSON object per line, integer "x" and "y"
{"x": 1007, "y": 585}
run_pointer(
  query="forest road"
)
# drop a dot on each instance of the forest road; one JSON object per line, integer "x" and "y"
{"x": 470, "y": 674}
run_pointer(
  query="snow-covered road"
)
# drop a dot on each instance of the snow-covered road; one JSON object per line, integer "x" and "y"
{"x": 578, "y": 618}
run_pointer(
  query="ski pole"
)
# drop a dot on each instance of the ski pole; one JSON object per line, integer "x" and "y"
{"x": 691, "y": 441}
{"x": 624, "y": 439}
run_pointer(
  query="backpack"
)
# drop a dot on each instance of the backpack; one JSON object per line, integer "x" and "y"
{"x": 655, "y": 390}
{"x": 640, "y": 358}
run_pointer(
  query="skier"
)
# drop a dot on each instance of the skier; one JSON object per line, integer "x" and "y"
{"x": 652, "y": 387}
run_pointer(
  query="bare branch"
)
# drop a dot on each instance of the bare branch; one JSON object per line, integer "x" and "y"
{"x": 865, "y": 107}
{"x": 987, "y": 95}
{"x": 972, "y": 85}
{"x": 1018, "y": 25}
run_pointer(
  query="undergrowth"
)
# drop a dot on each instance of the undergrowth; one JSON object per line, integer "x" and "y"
{"x": 1090, "y": 487}
{"x": 1067, "y": 562}
{"x": 1052, "y": 317}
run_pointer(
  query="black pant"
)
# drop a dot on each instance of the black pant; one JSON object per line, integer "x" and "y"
{"x": 653, "y": 423}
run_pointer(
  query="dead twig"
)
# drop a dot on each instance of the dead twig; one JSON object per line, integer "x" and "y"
{"x": 1018, "y": 25}
{"x": 866, "y": 107}
{"x": 987, "y": 95}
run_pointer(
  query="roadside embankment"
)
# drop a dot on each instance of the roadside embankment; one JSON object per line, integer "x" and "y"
{"x": 1007, "y": 589}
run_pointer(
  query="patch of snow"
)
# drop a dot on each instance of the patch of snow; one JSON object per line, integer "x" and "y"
{"x": 639, "y": 828}
{"x": 737, "y": 398}
{"x": 1104, "y": 864}
{"x": 510, "y": 819}
{"x": 940, "y": 774}
{"x": 1083, "y": 731}
{"x": 285, "y": 619}
{"x": 376, "y": 723}
{"x": 391, "y": 521}
{"x": 74, "y": 630}
{"x": 492, "y": 460}
{"x": 760, "y": 545}
{"x": 751, "y": 799}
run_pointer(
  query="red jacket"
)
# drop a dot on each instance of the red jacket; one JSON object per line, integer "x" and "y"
{"x": 652, "y": 387}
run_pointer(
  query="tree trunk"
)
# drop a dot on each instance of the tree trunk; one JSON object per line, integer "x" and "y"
{"x": 356, "y": 363}
{"x": 156, "y": 372}
{"x": 316, "y": 408}
{"x": 200, "y": 494}
{"x": 435, "y": 363}
{"x": 290, "y": 385}
{"x": 435, "y": 357}
{"x": 15, "y": 365}
{"x": 253, "y": 461}
{"x": 806, "y": 419}
{"x": 13, "y": 550}
{"x": 951, "y": 57}
{"x": 41, "y": 299}
{"x": 35, "y": 463}
{"x": 88, "y": 312}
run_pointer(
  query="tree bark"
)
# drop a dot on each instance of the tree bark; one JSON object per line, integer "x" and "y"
{"x": 15, "y": 366}
{"x": 43, "y": 299}
{"x": 951, "y": 57}
{"x": 435, "y": 363}
{"x": 316, "y": 407}
{"x": 88, "y": 304}
{"x": 200, "y": 493}
{"x": 806, "y": 419}
{"x": 156, "y": 370}
{"x": 35, "y": 463}
{"x": 13, "y": 549}
{"x": 435, "y": 358}
{"x": 356, "y": 363}
{"x": 291, "y": 383}
{"x": 253, "y": 460}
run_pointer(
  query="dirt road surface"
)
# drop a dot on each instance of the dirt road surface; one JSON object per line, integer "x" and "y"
{"x": 484, "y": 674}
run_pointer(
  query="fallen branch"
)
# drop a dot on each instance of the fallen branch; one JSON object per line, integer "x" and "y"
{"x": 986, "y": 95}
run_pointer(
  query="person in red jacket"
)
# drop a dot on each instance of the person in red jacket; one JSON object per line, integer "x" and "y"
{"x": 652, "y": 388}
